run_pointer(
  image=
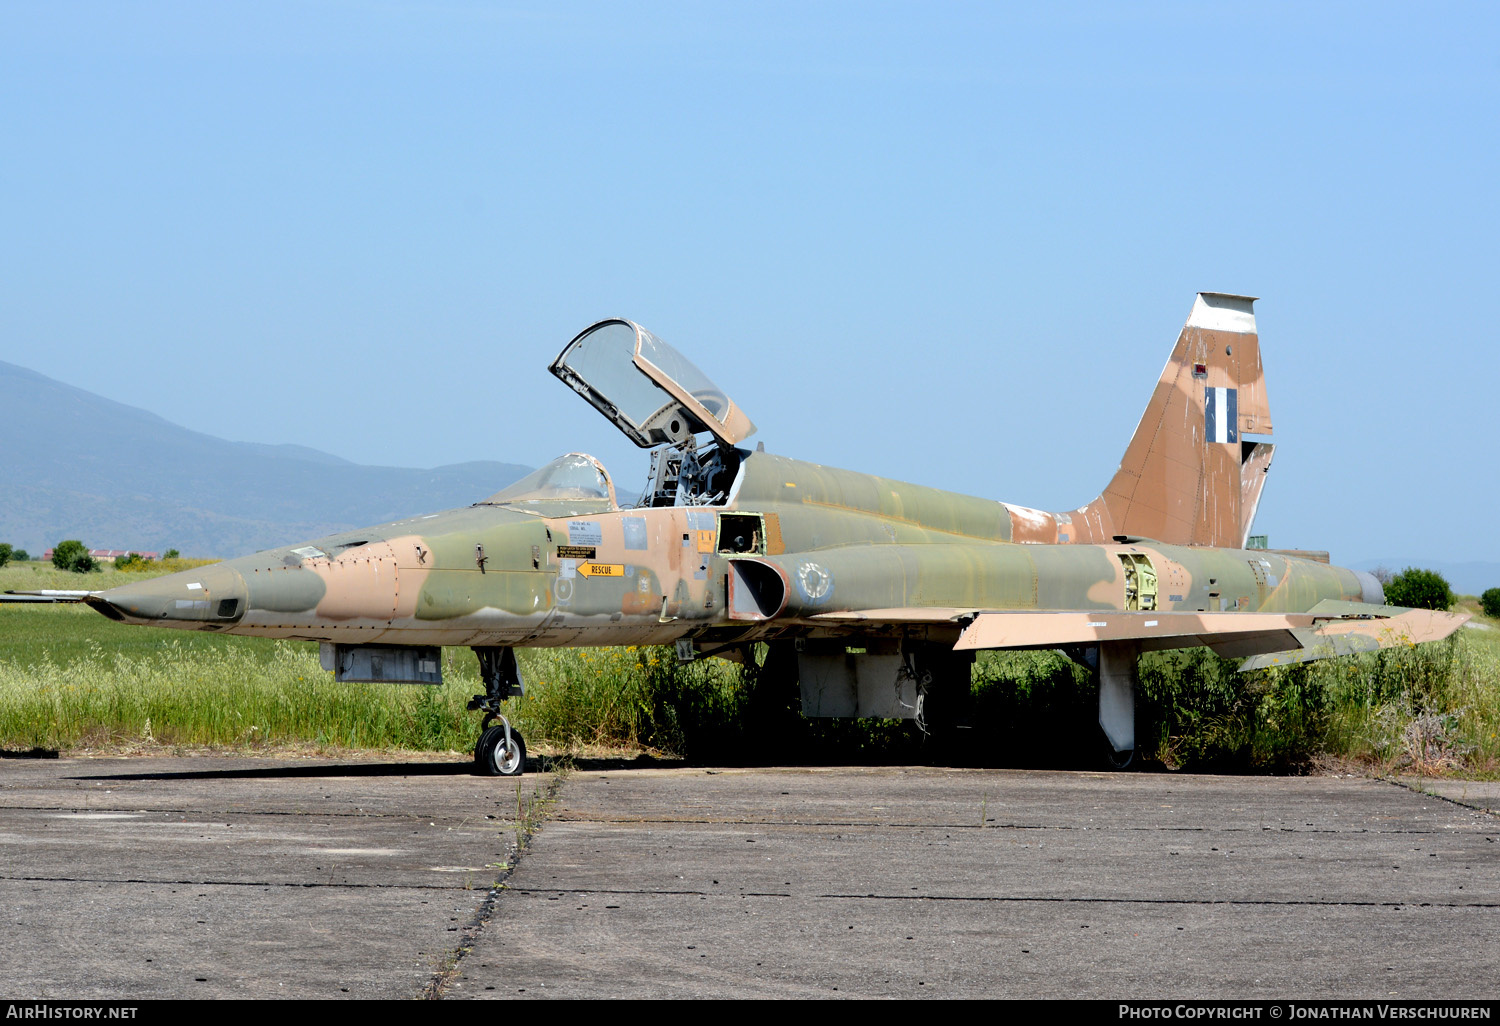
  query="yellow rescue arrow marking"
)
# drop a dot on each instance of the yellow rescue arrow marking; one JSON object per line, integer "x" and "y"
{"x": 602, "y": 569}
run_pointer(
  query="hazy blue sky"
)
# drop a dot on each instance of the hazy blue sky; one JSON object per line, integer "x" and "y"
{"x": 948, "y": 243}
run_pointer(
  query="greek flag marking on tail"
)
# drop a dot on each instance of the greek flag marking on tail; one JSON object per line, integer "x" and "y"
{"x": 1221, "y": 414}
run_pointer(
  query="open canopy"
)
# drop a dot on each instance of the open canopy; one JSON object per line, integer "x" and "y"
{"x": 649, "y": 390}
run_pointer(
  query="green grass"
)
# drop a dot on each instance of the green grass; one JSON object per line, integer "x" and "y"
{"x": 70, "y": 677}
{"x": 1425, "y": 708}
{"x": 67, "y": 633}
{"x": 33, "y": 575}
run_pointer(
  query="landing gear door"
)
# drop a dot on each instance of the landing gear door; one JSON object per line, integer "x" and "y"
{"x": 649, "y": 390}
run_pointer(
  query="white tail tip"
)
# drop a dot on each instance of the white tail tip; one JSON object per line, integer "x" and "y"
{"x": 1218, "y": 311}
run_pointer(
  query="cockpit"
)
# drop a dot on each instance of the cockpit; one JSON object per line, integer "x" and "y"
{"x": 575, "y": 478}
{"x": 659, "y": 400}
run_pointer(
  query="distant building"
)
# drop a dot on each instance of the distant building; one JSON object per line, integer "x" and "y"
{"x": 109, "y": 555}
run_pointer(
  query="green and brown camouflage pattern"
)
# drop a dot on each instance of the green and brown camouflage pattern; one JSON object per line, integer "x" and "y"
{"x": 838, "y": 542}
{"x": 798, "y": 550}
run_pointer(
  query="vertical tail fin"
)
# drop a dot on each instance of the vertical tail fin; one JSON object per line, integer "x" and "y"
{"x": 1191, "y": 474}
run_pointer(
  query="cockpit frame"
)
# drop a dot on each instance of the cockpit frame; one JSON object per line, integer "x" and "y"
{"x": 650, "y": 391}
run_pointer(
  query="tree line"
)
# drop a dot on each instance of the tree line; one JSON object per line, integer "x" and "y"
{"x": 73, "y": 555}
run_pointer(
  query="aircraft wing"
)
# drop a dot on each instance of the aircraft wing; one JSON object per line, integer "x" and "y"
{"x": 1268, "y": 639}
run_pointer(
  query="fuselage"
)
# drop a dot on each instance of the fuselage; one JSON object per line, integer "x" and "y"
{"x": 792, "y": 543}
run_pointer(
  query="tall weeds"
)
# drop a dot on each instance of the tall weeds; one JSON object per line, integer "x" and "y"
{"x": 181, "y": 693}
{"x": 1426, "y": 707}
{"x": 69, "y": 678}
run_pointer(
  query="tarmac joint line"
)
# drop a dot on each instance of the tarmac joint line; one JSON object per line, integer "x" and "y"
{"x": 235, "y": 883}
{"x": 1010, "y": 898}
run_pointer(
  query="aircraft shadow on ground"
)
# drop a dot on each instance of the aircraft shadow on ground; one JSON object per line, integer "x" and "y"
{"x": 540, "y": 764}
{"x": 318, "y": 768}
{"x": 314, "y": 769}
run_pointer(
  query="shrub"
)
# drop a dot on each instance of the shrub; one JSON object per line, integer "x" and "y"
{"x": 171, "y": 554}
{"x": 1419, "y": 589}
{"x": 20, "y": 556}
{"x": 1489, "y": 602}
{"x": 133, "y": 561}
{"x": 72, "y": 555}
{"x": 5, "y": 553}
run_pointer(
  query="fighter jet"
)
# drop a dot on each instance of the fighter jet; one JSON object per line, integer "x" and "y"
{"x": 876, "y": 594}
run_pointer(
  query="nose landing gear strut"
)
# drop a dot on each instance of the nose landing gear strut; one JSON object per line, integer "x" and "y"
{"x": 500, "y": 752}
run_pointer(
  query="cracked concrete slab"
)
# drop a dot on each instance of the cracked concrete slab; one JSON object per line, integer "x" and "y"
{"x": 228, "y": 877}
{"x": 960, "y": 883}
{"x": 1478, "y": 794}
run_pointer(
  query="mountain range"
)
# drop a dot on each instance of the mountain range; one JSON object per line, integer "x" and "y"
{"x": 77, "y": 465}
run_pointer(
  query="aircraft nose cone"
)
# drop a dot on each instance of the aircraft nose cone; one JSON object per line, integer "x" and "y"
{"x": 214, "y": 594}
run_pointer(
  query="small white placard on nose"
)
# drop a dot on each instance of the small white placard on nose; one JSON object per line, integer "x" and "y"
{"x": 585, "y": 532}
{"x": 195, "y": 586}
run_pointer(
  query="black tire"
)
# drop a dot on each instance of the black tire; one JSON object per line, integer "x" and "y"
{"x": 493, "y": 759}
{"x": 1120, "y": 761}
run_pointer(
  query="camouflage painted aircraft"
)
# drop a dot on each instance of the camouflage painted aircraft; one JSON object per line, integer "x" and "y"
{"x": 875, "y": 593}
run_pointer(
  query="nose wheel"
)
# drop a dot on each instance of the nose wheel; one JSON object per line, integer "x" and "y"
{"x": 500, "y": 752}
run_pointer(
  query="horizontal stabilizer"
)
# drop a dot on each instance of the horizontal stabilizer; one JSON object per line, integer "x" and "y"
{"x": 1338, "y": 608}
{"x": 1348, "y": 636}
